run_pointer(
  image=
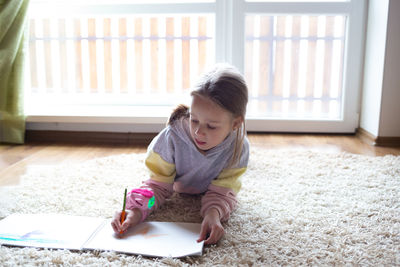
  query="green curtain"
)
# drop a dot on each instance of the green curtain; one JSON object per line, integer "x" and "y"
{"x": 13, "y": 31}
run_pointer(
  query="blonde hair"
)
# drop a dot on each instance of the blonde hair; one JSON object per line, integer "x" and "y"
{"x": 224, "y": 85}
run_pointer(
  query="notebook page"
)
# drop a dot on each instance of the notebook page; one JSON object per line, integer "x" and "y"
{"x": 155, "y": 239}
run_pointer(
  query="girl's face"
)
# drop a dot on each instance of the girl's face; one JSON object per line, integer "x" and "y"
{"x": 210, "y": 124}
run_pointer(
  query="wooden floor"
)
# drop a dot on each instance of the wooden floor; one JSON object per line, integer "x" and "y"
{"x": 15, "y": 160}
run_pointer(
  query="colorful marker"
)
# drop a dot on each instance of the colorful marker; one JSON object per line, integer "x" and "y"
{"x": 123, "y": 213}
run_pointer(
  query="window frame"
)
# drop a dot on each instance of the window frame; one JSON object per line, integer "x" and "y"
{"x": 356, "y": 12}
{"x": 229, "y": 47}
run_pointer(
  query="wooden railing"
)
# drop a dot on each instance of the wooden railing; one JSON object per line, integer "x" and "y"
{"x": 294, "y": 65}
{"x": 119, "y": 55}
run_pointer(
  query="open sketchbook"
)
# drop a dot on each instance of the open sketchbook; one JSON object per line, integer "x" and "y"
{"x": 155, "y": 239}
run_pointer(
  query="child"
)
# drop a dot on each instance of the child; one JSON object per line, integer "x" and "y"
{"x": 203, "y": 150}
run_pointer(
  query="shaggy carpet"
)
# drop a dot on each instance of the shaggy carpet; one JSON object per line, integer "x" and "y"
{"x": 296, "y": 208}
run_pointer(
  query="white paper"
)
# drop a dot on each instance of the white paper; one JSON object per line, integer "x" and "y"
{"x": 156, "y": 239}
{"x": 47, "y": 230}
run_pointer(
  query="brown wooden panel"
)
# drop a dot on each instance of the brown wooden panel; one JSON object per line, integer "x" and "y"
{"x": 154, "y": 62}
{"x": 202, "y": 45}
{"x": 92, "y": 55}
{"x": 170, "y": 55}
{"x": 78, "y": 56}
{"x": 139, "y": 54}
{"x": 107, "y": 56}
{"x": 123, "y": 56}
{"x": 185, "y": 53}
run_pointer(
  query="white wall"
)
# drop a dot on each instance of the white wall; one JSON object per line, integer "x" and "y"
{"x": 374, "y": 65}
{"x": 390, "y": 110}
{"x": 380, "y": 110}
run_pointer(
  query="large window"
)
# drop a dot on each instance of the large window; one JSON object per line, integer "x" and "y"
{"x": 140, "y": 58}
{"x": 294, "y": 65}
{"x": 107, "y": 56}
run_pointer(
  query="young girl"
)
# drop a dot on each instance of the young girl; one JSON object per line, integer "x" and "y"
{"x": 203, "y": 150}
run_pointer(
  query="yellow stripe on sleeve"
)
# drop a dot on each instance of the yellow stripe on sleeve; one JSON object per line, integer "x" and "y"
{"x": 229, "y": 178}
{"x": 161, "y": 171}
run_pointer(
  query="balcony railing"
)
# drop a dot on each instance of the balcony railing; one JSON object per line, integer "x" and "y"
{"x": 119, "y": 59}
{"x": 294, "y": 65}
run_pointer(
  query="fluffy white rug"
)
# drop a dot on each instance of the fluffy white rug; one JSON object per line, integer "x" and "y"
{"x": 296, "y": 208}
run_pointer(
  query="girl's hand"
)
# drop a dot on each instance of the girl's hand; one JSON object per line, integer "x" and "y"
{"x": 211, "y": 228}
{"x": 133, "y": 217}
